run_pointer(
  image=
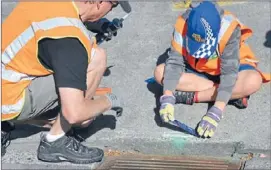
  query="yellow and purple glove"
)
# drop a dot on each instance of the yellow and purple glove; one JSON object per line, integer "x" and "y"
{"x": 209, "y": 122}
{"x": 167, "y": 108}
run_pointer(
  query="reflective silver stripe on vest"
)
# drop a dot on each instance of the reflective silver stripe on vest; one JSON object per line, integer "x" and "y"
{"x": 225, "y": 24}
{"x": 178, "y": 38}
{"x": 13, "y": 108}
{"x": 13, "y": 75}
{"x": 12, "y": 50}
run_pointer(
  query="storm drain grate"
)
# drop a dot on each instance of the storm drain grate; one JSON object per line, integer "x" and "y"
{"x": 166, "y": 163}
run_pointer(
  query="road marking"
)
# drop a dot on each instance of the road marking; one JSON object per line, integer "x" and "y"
{"x": 180, "y": 5}
{"x": 177, "y": 134}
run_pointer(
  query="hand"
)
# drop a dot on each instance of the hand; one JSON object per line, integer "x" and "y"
{"x": 111, "y": 28}
{"x": 115, "y": 103}
{"x": 209, "y": 122}
{"x": 167, "y": 108}
{"x": 104, "y": 28}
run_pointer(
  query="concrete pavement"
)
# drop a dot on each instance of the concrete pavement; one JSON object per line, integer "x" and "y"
{"x": 134, "y": 54}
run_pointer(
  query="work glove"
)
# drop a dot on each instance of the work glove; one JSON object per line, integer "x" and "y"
{"x": 104, "y": 28}
{"x": 115, "y": 103}
{"x": 167, "y": 108}
{"x": 209, "y": 122}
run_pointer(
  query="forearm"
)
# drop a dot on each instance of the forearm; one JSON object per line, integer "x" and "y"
{"x": 93, "y": 108}
{"x": 173, "y": 69}
{"x": 229, "y": 69}
{"x": 227, "y": 83}
{"x": 224, "y": 91}
{"x": 77, "y": 109}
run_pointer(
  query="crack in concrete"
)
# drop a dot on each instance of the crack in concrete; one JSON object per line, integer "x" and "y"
{"x": 246, "y": 155}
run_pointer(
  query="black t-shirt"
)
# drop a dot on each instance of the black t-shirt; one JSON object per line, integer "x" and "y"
{"x": 68, "y": 58}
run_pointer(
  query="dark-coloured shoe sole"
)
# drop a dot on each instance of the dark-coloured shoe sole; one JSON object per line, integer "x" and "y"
{"x": 3, "y": 151}
{"x": 57, "y": 158}
{"x": 240, "y": 104}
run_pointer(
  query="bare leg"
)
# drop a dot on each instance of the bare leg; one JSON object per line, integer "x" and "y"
{"x": 248, "y": 82}
{"x": 187, "y": 82}
{"x": 94, "y": 75}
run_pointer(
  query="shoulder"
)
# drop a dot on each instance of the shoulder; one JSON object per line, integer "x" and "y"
{"x": 67, "y": 44}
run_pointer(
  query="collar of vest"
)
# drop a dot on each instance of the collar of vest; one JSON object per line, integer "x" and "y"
{"x": 75, "y": 8}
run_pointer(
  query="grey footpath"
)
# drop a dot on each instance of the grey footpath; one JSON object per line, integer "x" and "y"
{"x": 133, "y": 55}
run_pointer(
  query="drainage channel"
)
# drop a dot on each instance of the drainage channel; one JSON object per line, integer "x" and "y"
{"x": 156, "y": 162}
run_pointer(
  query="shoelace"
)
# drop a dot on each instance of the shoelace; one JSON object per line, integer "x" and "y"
{"x": 76, "y": 145}
{"x": 72, "y": 133}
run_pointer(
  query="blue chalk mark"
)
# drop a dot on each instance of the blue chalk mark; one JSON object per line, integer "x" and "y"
{"x": 150, "y": 80}
{"x": 185, "y": 128}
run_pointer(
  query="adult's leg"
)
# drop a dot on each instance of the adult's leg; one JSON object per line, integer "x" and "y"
{"x": 95, "y": 72}
{"x": 56, "y": 146}
{"x": 40, "y": 99}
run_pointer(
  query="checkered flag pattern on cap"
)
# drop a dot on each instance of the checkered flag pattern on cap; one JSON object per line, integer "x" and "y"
{"x": 205, "y": 50}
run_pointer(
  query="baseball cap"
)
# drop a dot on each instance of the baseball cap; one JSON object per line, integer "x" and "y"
{"x": 203, "y": 28}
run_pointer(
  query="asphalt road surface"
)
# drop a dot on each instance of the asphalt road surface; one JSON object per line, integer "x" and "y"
{"x": 133, "y": 55}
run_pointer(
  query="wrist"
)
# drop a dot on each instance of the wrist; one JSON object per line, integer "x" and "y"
{"x": 220, "y": 105}
{"x": 215, "y": 113}
{"x": 167, "y": 99}
{"x": 168, "y": 93}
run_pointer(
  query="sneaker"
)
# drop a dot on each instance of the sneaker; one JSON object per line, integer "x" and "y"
{"x": 74, "y": 133}
{"x": 68, "y": 149}
{"x": 240, "y": 103}
{"x": 184, "y": 97}
{"x": 6, "y": 128}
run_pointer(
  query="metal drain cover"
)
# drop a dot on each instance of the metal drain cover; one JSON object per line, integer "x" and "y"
{"x": 137, "y": 162}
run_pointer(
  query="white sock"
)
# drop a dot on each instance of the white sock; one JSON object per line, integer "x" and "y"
{"x": 52, "y": 138}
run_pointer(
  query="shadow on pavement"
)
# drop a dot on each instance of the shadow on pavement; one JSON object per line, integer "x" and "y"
{"x": 25, "y": 130}
{"x": 267, "y": 43}
{"x": 101, "y": 122}
{"x": 163, "y": 57}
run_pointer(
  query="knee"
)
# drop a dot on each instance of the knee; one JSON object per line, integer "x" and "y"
{"x": 204, "y": 85}
{"x": 253, "y": 84}
{"x": 192, "y": 82}
{"x": 159, "y": 73}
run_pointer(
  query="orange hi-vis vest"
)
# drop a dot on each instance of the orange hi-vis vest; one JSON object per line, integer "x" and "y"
{"x": 27, "y": 24}
{"x": 212, "y": 65}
